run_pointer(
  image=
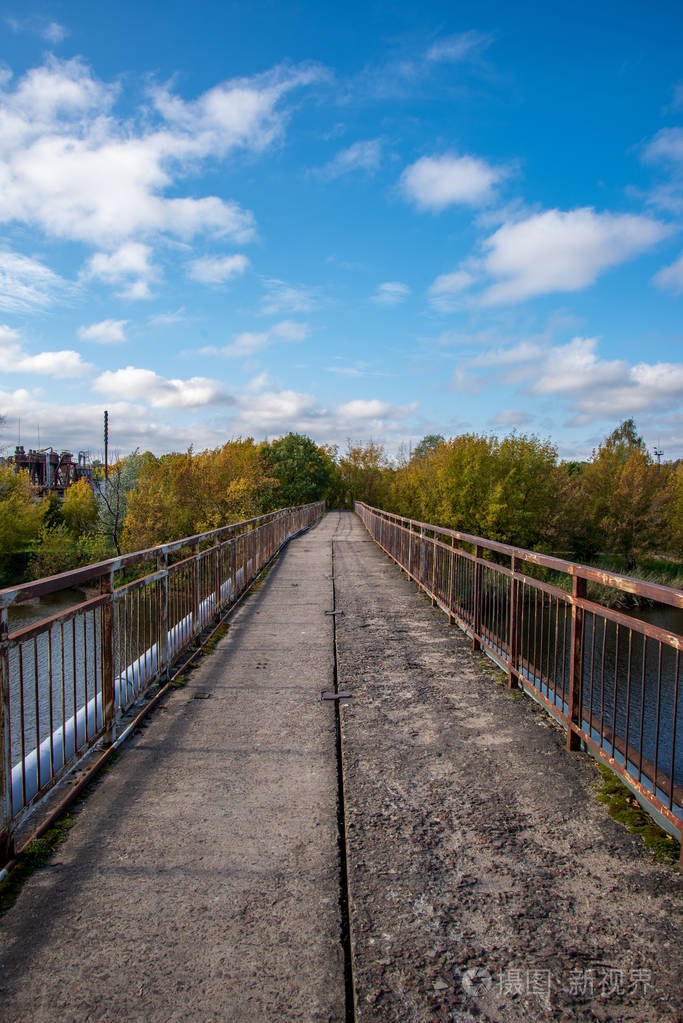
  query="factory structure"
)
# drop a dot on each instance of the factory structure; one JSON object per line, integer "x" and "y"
{"x": 51, "y": 471}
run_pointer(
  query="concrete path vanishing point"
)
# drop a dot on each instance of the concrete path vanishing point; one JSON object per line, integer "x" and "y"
{"x": 201, "y": 880}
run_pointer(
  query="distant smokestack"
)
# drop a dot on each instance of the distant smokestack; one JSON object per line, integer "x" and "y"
{"x": 106, "y": 445}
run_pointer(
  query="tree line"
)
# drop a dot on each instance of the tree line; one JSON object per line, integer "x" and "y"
{"x": 620, "y": 502}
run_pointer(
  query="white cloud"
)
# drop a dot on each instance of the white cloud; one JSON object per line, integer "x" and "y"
{"x": 665, "y": 151}
{"x": 217, "y": 270}
{"x": 666, "y": 147}
{"x": 391, "y": 293}
{"x": 73, "y": 168}
{"x": 61, "y": 364}
{"x": 128, "y": 265}
{"x": 457, "y": 48}
{"x": 364, "y": 156}
{"x": 252, "y": 341}
{"x": 104, "y": 333}
{"x": 284, "y": 298}
{"x": 167, "y": 319}
{"x": 511, "y": 417}
{"x": 275, "y": 412}
{"x": 445, "y": 291}
{"x": 51, "y": 31}
{"x": 562, "y": 251}
{"x": 433, "y": 183}
{"x": 146, "y": 385}
{"x": 26, "y": 284}
{"x": 670, "y": 278}
{"x": 593, "y": 387}
{"x": 367, "y": 409}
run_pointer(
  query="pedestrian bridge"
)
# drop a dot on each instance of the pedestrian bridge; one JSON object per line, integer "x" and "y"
{"x": 344, "y": 811}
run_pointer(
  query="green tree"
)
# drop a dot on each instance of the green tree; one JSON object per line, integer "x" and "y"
{"x": 429, "y": 443}
{"x": 303, "y": 470}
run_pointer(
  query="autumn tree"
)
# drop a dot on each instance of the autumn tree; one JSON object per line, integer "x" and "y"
{"x": 365, "y": 474}
{"x": 80, "y": 510}
{"x": 626, "y": 495}
{"x": 21, "y": 518}
{"x": 182, "y": 494}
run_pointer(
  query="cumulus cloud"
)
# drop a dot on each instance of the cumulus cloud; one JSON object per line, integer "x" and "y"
{"x": 27, "y": 284}
{"x": 250, "y": 342}
{"x": 670, "y": 278}
{"x": 433, "y": 183}
{"x": 593, "y": 387}
{"x": 63, "y": 364}
{"x": 391, "y": 293}
{"x": 145, "y": 385}
{"x": 367, "y": 409}
{"x": 218, "y": 269}
{"x": 128, "y": 265}
{"x": 562, "y": 251}
{"x": 73, "y": 168}
{"x": 365, "y": 156}
{"x": 274, "y": 412}
{"x": 104, "y": 333}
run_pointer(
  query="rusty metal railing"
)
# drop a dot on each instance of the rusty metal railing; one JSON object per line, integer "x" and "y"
{"x": 613, "y": 680}
{"x": 67, "y": 679}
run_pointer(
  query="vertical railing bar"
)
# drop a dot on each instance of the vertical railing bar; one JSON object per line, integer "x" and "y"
{"x": 7, "y": 804}
{"x": 51, "y": 724}
{"x": 614, "y": 693}
{"x": 674, "y": 721}
{"x": 659, "y": 696}
{"x": 22, "y": 723}
{"x": 642, "y": 711}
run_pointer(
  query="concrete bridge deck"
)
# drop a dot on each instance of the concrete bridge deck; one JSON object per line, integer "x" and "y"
{"x": 203, "y": 879}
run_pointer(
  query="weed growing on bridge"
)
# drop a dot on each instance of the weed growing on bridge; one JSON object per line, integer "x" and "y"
{"x": 624, "y": 807}
{"x": 34, "y": 857}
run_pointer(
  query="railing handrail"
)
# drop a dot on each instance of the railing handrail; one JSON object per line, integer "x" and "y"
{"x": 627, "y": 584}
{"x": 75, "y": 576}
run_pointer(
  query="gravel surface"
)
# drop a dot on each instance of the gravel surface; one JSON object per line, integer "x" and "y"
{"x": 486, "y": 882}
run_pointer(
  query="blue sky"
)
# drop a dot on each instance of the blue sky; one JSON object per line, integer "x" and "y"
{"x": 368, "y": 222}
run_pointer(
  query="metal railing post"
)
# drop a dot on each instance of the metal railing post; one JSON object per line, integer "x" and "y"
{"x": 107, "y": 658}
{"x": 435, "y": 553}
{"x": 6, "y": 837}
{"x": 164, "y": 653}
{"x": 476, "y": 612}
{"x": 513, "y": 639}
{"x": 451, "y": 585}
{"x": 423, "y": 556}
{"x": 196, "y": 629}
{"x": 217, "y": 583}
{"x": 575, "y": 664}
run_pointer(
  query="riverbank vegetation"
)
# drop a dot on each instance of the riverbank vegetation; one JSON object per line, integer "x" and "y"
{"x": 619, "y": 509}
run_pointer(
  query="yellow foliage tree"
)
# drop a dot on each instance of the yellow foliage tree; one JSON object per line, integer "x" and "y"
{"x": 80, "y": 509}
